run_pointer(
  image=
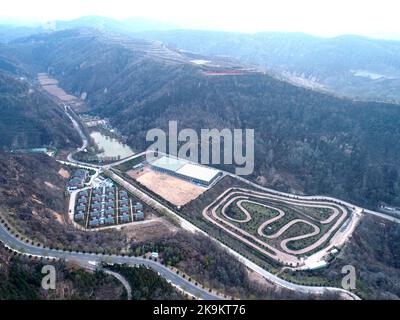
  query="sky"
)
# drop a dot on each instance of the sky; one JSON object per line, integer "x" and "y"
{"x": 377, "y": 18}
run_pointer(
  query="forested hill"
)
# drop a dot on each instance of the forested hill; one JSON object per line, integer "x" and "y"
{"x": 28, "y": 119}
{"x": 305, "y": 141}
{"x": 356, "y": 66}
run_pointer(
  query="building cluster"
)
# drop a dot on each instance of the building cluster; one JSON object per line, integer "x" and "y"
{"x": 124, "y": 208}
{"x": 81, "y": 205}
{"x": 138, "y": 211}
{"x": 107, "y": 206}
{"x": 102, "y": 207}
{"x": 77, "y": 179}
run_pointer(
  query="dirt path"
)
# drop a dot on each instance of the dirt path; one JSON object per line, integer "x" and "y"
{"x": 239, "y": 204}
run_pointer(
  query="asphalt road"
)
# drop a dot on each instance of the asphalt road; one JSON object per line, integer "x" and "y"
{"x": 85, "y": 142}
{"x": 88, "y": 260}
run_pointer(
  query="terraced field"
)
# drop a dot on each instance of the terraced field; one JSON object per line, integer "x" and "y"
{"x": 285, "y": 229}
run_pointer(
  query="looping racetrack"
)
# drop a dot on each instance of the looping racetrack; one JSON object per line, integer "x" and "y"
{"x": 277, "y": 244}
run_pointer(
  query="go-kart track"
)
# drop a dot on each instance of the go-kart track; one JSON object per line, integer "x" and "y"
{"x": 286, "y": 230}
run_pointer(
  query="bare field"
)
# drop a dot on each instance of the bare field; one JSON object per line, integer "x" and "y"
{"x": 45, "y": 80}
{"x": 148, "y": 230}
{"x": 63, "y": 173}
{"x": 59, "y": 93}
{"x": 175, "y": 190}
{"x": 51, "y": 86}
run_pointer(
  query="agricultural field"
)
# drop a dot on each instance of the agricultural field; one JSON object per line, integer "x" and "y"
{"x": 51, "y": 86}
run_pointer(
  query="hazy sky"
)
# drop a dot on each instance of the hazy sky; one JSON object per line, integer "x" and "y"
{"x": 322, "y": 17}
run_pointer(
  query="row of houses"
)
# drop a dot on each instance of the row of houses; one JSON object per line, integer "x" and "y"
{"x": 78, "y": 179}
{"x": 124, "y": 209}
{"x": 81, "y": 206}
{"x": 102, "y": 207}
{"x": 138, "y": 211}
{"x": 106, "y": 208}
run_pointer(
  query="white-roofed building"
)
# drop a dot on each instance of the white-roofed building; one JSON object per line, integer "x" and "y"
{"x": 199, "y": 174}
{"x": 185, "y": 170}
{"x": 169, "y": 164}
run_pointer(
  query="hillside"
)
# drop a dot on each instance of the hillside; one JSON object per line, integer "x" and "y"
{"x": 305, "y": 141}
{"x": 21, "y": 280}
{"x": 32, "y": 199}
{"x": 374, "y": 251}
{"x": 352, "y": 66}
{"x": 28, "y": 119}
{"x": 146, "y": 284}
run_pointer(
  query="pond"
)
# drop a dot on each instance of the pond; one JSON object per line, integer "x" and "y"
{"x": 110, "y": 147}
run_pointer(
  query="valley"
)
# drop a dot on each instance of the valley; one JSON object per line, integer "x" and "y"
{"x": 330, "y": 146}
{"x": 312, "y": 261}
{"x": 323, "y": 167}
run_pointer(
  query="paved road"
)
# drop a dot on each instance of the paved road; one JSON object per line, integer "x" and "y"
{"x": 68, "y": 112}
{"x": 121, "y": 279}
{"x": 87, "y": 260}
{"x": 114, "y": 164}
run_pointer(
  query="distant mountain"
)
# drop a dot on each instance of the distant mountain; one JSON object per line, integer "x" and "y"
{"x": 353, "y": 66}
{"x": 305, "y": 141}
{"x": 10, "y": 31}
{"x": 132, "y": 24}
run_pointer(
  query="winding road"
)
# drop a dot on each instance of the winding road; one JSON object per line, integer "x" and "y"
{"x": 88, "y": 260}
{"x": 121, "y": 279}
{"x": 187, "y": 225}
{"x": 287, "y": 256}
